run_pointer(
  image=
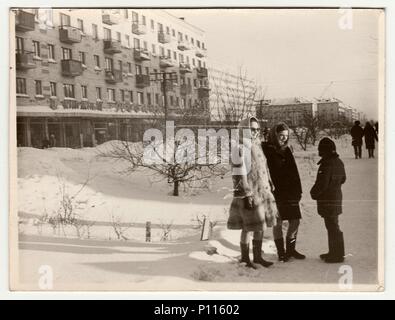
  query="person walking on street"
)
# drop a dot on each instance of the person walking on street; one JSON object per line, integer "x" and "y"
{"x": 253, "y": 207}
{"x": 357, "y": 134}
{"x": 328, "y": 194}
{"x": 370, "y": 137}
{"x": 287, "y": 190}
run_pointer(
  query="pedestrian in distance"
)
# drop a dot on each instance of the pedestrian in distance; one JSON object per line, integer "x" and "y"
{"x": 253, "y": 207}
{"x": 357, "y": 134}
{"x": 287, "y": 190}
{"x": 328, "y": 194}
{"x": 370, "y": 138}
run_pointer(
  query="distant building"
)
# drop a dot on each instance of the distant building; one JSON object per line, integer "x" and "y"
{"x": 292, "y": 111}
{"x": 83, "y": 75}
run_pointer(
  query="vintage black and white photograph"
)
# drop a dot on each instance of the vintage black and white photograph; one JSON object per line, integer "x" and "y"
{"x": 184, "y": 149}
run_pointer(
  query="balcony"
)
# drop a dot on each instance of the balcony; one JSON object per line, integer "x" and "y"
{"x": 185, "y": 68}
{"x": 163, "y": 37}
{"x": 203, "y": 92}
{"x": 109, "y": 17}
{"x": 141, "y": 55}
{"x": 112, "y": 47}
{"x": 201, "y": 72}
{"x": 68, "y": 34}
{"x": 24, "y": 21}
{"x": 200, "y": 52}
{"x": 183, "y": 45}
{"x": 139, "y": 29}
{"x": 185, "y": 89}
{"x": 142, "y": 81}
{"x": 24, "y": 60}
{"x": 166, "y": 62}
{"x": 71, "y": 68}
{"x": 113, "y": 76}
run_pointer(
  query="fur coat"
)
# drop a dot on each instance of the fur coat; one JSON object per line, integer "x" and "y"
{"x": 251, "y": 179}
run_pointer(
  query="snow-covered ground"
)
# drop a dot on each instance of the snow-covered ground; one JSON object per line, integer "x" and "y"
{"x": 183, "y": 262}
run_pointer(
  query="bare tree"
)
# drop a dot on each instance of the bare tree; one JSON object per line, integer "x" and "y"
{"x": 308, "y": 132}
{"x": 188, "y": 172}
{"x": 233, "y": 98}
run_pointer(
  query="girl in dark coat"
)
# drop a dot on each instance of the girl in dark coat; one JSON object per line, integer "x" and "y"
{"x": 328, "y": 194}
{"x": 370, "y": 136}
{"x": 287, "y": 190}
{"x": 357, "y": 135}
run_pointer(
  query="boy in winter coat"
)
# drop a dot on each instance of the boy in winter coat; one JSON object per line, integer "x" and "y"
{"x": 328, "y": 194}
{"x": 253, "y": 207}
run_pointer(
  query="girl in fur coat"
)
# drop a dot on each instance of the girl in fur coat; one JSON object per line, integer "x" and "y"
{"x": 253, "y": 207}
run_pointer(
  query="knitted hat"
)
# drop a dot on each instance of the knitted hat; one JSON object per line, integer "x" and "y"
{"x": 326, "y": 147}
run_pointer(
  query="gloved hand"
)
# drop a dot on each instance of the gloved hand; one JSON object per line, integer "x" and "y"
{"x": 249, "y": 202}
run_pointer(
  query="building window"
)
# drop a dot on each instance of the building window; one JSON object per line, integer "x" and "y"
{"x": 82, "y": 57}
{"x": 120, "y": 66}
{"x": 130, "y": 68}
{"x": 111, "y": 95}
{"x": 97, "y": 60}
{"x": 175, "y": 55}
{"x": 126, "y": 13}
{"x": 98, "y": 93}
{"x": 144, "y": 22}
{"x": 109, "y": 64}
{"x": 198, "y": 43}
{"x": 36, "y": 48}
{"x": 160, "y": 27}
{"x": 183, "y": 102}
{"x": 95, "y": 33}
{"x": 66, "y": 54}
{"x": 107, "y": 33}
{"x": 80, "y": 24}
{"x": 122, "y": 95}
{"x": 168, "y": 30}
{"x": 20, "y": 45}
{"x": 203, "y": 45}
{"x": 169, "y": 53}
{"x": 162, "y": 51}
{"x": 52, "y": 88}
{"x": 193, "y": 62}
{"x": 138, "y": 69}
{"x": 152, "y": 24}
{"x": 118, "y": 36}
{"x": 84, "y": 92}
{"x": 64, "y": 20}
{"x": 199, "y": 63}
{"x": 173, "y": 32}
{"x": 153, "y": 49}
{"x": 39, "y": 88}
{"x": 131, "y": 96}
{"x": 68, "y": 90}
{"x": 177, "y": 101}
{"x": 149, "y": 99}
{"x": 171, "y": 100}
{"x": 186, "y": 38}
{"x": 135, "y": 17}
{"x": 20, "y": 85}
{"x": 140, "y": 98}
{"x": 181, "y": 58}
{"x": 147, "y": 71}
{"x": 51, "y": 52}
{"x": 136, "y": 43}
{"x": 157, "y": 98}
{"x": 127, "y": 40}
{"x": 192, "y": 41}
{"x": 179, "y": 36}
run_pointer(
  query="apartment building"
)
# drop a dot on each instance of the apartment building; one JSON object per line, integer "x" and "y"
{"x": 292, "y": 111}
{"x": 232, "y": 95}
{"x": 85, "y": 76}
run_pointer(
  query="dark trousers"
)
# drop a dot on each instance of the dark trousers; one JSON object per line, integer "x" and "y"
{"x": 358, "y": 152}
{"x": 332, "y": 225}
{"x": 371, "y": 153}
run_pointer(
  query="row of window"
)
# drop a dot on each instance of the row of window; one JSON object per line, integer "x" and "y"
{"x": 67, "y": 53}
{"x": 65, "y": 20}
{"x": 124, "y": 95}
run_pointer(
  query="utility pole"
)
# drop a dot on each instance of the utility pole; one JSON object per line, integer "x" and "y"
{"x": 164, "y": 77}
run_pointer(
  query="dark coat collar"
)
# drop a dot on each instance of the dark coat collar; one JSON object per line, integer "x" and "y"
{"x": 327, "y": 158}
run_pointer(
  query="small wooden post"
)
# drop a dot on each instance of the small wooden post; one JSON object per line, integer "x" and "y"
{"x": 148, "y": 231}
{"x": 205, "y": 230}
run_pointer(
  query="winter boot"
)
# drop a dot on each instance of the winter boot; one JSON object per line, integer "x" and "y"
{"x": 245, "y": 256}
{"x": 257, "y": 251}
{"x": 324, "y": 255}
{"x": 336, "y": 249}
{"x": 280, "y": 250}
{"x": 291, "y": 251}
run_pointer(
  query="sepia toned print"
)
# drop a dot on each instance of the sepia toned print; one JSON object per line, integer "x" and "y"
{"x": 197, "y": 149}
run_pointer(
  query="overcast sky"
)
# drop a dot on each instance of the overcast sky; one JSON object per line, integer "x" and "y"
{"x": 297, "y": 52}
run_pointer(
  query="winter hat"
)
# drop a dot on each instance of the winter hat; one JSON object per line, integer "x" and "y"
{"x": 326, "y": 147}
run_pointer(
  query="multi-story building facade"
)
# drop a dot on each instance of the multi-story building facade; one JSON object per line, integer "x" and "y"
{"x": 292, "y": 111}
{"x": 233, "y": 96}
{"x": 85, "y": 76}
